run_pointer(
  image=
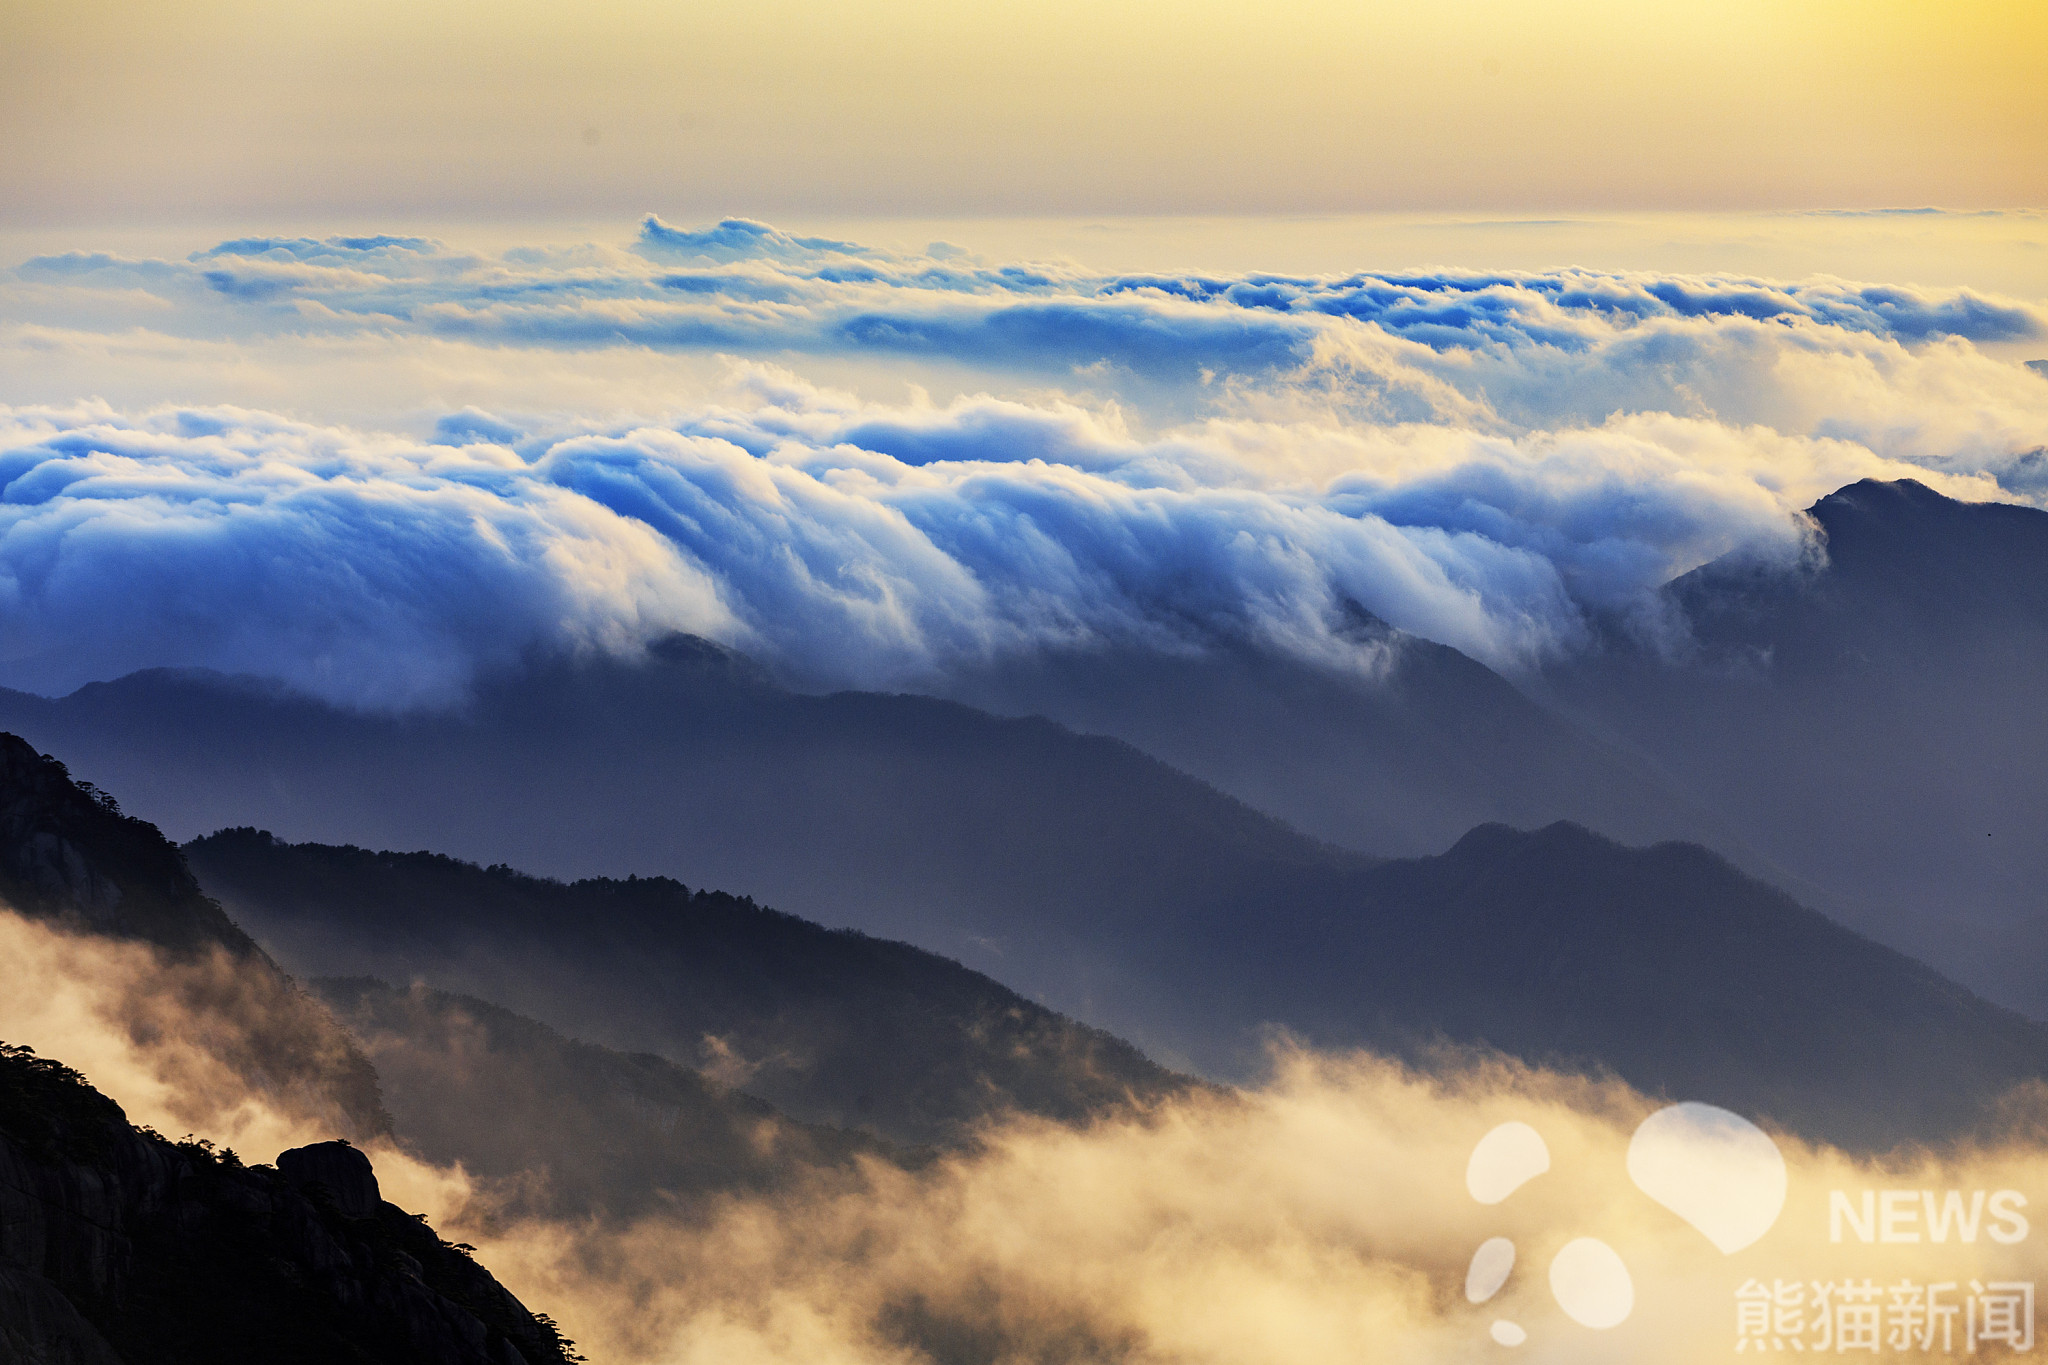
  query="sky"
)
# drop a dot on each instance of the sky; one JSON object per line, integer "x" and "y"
{"x": 137, "y": 112}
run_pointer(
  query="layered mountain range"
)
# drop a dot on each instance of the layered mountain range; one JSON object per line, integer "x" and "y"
{"x": 1665, "y": 966}
{"x": 120, "y": 1247}
{"x": 833, "y": 1026}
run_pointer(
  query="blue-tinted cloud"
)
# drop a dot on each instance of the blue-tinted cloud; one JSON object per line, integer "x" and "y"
{"x": 311, "y": 249}
{"x": 750, "y": 286}
{"x": 1504, "y": 352}
{"x": 738, "y": 239}
{"x": 355, "y": 569}
{"x": 844, "y": 544}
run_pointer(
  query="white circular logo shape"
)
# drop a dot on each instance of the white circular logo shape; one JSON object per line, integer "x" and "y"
{"x": 1591, "y": 1284}
{"x": 1715, "y": 1169}
{"x": 1506, "y": 1159}
{"x": 1489, "y": 1269}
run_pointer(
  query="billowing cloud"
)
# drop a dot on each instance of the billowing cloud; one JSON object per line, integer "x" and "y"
{"x": 355, "y": 567}
{"x": 1159, "y": 460}
{"x": 748, "y": 285}
{"x": 847, "y": 544}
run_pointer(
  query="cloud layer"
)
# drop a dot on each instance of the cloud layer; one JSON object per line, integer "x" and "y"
{"x": 1894, "y": 367}
{"x": 844, "y": 543}
{"x": 1485, "y": 460}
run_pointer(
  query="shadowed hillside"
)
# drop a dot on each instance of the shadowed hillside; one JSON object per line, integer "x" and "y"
{"x": 566, "y": 1128}
{"x": 1011, "y": 845}
{"x": 1398, "y": 754}
{"x": 1665, "y": 965}
{"x": 833, "y": 1026}
{"x": 1871, "y": 722}
{"x": 67, "y": 853}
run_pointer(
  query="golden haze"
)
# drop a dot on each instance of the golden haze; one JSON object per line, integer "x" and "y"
{"x": 915, "y": 107}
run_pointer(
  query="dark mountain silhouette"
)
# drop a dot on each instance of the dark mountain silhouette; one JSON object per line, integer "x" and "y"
{"x": 832, "y": 1026}
{"x": 561, "y": 1128}
{"x": 1872, "y": 722}
{"x": 68, "y": 856}
{"x": 1665, "y": 965}
{"x": 118, "y": 1247}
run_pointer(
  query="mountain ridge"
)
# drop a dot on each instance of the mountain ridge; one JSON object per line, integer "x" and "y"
{"x": 818, "y": 1019}
{"x": 71, "y": 859}
{"x": 554, "y": 1127}
{"x": 1869, "y": 720}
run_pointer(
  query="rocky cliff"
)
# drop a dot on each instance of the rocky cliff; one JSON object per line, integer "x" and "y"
{"x": 118, "y": 1247}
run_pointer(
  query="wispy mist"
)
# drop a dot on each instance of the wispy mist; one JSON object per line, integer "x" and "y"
{"x": 208, "y": 1043}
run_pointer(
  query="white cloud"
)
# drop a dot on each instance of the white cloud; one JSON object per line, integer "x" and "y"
{"x": 355, "y": 567}
{"x": 846, "y": 543}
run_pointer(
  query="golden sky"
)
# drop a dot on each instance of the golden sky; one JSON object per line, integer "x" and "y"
{"x": 125, "y": 110}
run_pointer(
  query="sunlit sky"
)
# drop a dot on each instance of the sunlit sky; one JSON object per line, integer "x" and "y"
{"x": 140, "y": 112}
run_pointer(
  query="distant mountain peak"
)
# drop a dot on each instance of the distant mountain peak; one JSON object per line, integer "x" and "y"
{"x": 1897, "y": 504}
{"x": 1491, "y": 839}
{"x": 1865, "y": 491}
{"x": 1887, "y": 504}
{"x": 706, "y": 656}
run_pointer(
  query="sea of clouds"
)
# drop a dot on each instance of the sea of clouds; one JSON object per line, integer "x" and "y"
{"x": 1495, "y": 461}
